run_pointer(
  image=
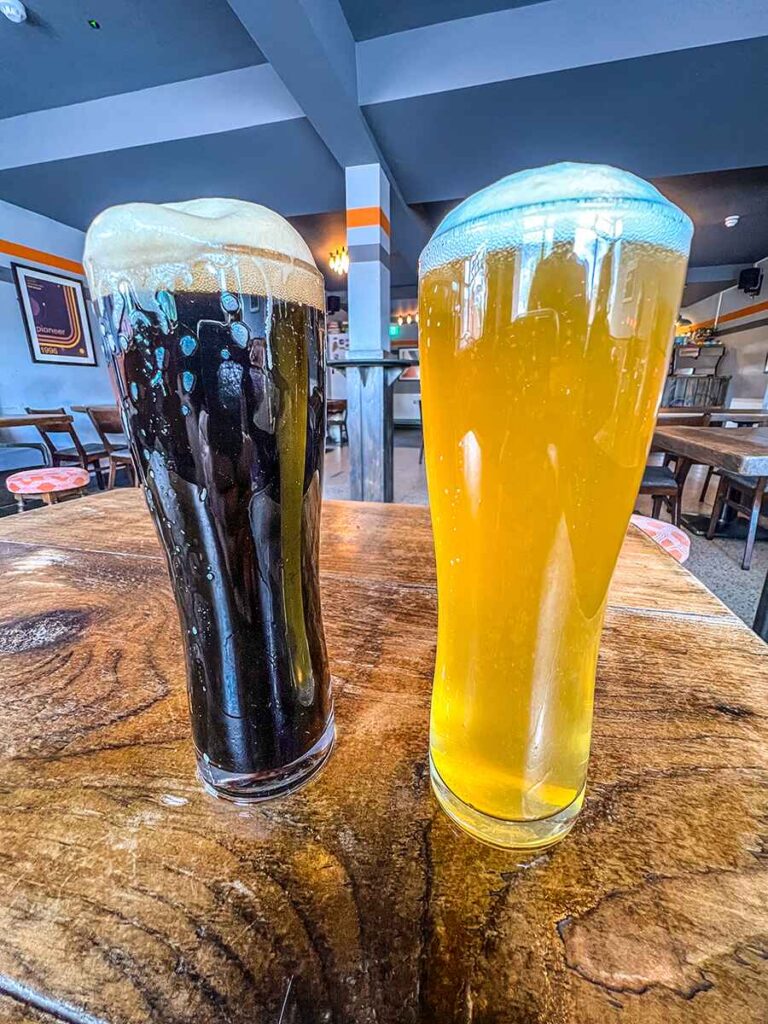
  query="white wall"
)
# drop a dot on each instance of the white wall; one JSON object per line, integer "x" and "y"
{"x": 22, "y": 381}
{"x": 746, "y": 350}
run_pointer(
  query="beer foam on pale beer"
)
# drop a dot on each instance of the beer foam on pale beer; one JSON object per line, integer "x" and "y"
{"x": 203, "y": 245}
{"x": 546, "y": 204}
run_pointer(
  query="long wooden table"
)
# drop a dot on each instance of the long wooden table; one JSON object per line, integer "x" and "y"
{"x": 129, "y": 895}
{"x": 743, "y": 451}
{"x": 45, "y": 420}
{"x": 713, "y": 413}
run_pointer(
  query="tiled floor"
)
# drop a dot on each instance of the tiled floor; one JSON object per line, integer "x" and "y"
{"x": 717, "y": 563}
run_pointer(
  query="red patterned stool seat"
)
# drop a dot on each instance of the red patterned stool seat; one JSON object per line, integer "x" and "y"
{"x": 49, "y": 480}
{"x": 670, "y": 538}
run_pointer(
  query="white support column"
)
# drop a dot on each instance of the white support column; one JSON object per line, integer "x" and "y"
{"x": 368, "y": 241}
{"x": 369, "y": 379}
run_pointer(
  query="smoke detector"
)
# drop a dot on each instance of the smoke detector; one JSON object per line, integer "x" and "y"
{"x": 14, "y": 10}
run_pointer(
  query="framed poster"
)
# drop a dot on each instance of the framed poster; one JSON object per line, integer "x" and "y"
{"x": 55, "y": 316}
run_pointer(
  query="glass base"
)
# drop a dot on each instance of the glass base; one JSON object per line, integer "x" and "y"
{"x": 255, "y": 787}
{"x": 498, "y": 832}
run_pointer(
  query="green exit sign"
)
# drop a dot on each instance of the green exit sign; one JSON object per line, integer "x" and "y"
{"x": 394, "y": 330}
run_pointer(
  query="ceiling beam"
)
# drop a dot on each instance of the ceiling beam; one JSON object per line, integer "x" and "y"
{"x": 224, "y": 102}
{"x": 724, "y": 272}
{"x": 310, "y": 46}
{"x": 525, "y": 41}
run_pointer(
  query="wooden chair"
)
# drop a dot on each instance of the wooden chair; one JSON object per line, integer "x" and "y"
{"x": 662, "y": 485}
{"x": 745, "y": 495}
{"x": 109, "y": 427}
{"x": 336, "y": 416}
{"x": 87, "y": 456}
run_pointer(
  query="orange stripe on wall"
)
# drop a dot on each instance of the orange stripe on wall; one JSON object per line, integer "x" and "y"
{"x": 737, "y": 314}
{"x": 368, "y": 217}
{"x": 48, "y": 259}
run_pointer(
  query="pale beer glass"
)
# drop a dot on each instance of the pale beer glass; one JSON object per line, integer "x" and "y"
{"x": 547, "y": 305}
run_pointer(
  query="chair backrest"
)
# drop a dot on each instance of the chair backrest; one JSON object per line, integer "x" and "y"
{"x": 106, "y": 422}
{"x": 65, "y": 427}
{"x": 336, "y": 408}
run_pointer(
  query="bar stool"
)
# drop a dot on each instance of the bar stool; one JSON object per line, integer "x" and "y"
{"x": 53, "y": 484}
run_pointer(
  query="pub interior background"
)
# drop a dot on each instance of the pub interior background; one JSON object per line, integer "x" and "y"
{"x": 332, "y": 789}
{"x": 364, "y": 128}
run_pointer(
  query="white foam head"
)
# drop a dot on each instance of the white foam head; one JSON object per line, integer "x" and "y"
{"x": 559, "y": 198}
{"x": 200, "y": 245}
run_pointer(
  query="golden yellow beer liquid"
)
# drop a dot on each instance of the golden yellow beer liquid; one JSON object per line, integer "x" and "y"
{"x": 541, "y": 374}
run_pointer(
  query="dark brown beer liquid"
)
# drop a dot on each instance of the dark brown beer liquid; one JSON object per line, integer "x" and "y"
{"x": 223, "y": 400}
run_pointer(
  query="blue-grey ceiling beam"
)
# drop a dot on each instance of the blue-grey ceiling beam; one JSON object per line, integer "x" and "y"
{"x": 724, "y": 272}
{"x": 544, "y": 38}
{"x": 244, "y": 98}
{"x": 310, "y": 46}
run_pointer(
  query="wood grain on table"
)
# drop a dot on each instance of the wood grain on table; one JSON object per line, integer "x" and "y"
{"x": 132, "y": 896}
{"x": 743, "y": 451}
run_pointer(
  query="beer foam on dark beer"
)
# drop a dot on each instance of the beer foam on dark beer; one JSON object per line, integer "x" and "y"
{"x": 204, "y": 245}
{"x": 546, "y": 204}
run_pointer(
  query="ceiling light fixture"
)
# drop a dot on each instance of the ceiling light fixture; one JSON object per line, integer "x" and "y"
{"x": 339, "y": 260}
{"x": 732, "y": 220}
{"x": 14, "y": 10}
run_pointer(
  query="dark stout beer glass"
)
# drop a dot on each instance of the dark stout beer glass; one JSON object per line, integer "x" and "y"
{"x": 212, "y": 319}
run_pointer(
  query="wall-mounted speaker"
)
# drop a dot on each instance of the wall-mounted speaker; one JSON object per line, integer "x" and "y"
{"x": 751, "y": 280}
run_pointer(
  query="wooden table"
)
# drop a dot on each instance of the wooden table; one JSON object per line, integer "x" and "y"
{"x": 49, "y": 421}
{"x": 131, "y": 896}
{"x": 743, "y": 451}
{"x": 714, "y": 414}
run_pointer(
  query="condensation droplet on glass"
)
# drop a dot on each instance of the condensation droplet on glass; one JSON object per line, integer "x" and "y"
{"x": 229, "y": 302}
{"x": 240, "y": 333}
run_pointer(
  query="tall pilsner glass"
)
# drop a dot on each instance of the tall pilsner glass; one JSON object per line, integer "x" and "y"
{"x": 212, "y": 315}
{"x": 547, "y": 304}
